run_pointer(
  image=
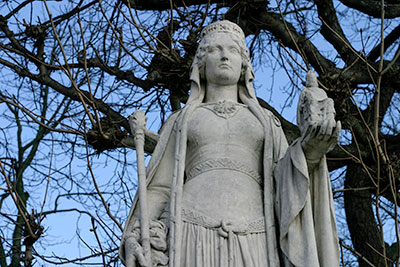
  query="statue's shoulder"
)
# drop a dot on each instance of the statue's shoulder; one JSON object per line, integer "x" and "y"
{"x": 272, "y": 117}
{"x": 170, "y": 121}
{"x": 165, "y": 134}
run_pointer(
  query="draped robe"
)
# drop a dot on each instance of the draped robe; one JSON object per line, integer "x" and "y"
{"x": 303, "y": 232}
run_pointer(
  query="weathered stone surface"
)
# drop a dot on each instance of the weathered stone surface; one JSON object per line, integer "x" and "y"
{"x": 222, "y": 174}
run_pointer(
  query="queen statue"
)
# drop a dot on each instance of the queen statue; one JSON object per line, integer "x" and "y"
{"x": 224, "y": 189}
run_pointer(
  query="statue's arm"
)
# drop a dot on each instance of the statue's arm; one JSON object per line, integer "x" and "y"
{"x": 159, "y": 176}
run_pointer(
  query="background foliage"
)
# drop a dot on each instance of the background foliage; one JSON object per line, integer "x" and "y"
{"x": 72, "y": 71}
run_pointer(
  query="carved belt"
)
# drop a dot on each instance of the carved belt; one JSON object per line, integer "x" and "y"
{"x": 224, "y": 227}
{"x": 223, "y": 163}
{"x": 226, "y": 230}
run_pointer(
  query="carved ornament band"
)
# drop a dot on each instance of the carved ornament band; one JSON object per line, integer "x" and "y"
{"x": 242, "y": 228}
{"x": 223, "y": 163}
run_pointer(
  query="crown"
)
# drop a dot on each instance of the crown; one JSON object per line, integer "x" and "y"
{"x": 223, "y": 26}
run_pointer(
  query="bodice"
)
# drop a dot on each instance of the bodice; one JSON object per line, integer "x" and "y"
{"x": 224, "y": 163}
{"x": 224, "y": 135}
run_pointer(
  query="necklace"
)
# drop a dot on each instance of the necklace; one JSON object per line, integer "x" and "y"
{"x": 224, "y": 108}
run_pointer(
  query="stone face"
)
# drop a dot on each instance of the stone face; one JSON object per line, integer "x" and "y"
{"x": 222, "y": 174}
{"x": 223, "y": 61}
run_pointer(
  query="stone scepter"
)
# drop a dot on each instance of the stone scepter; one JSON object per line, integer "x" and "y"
{"x": 137, "y": 122}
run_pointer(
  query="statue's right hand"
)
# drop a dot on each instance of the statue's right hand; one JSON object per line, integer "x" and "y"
{"x": 133, "y": 250}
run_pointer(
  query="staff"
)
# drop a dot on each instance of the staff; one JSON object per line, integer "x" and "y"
{"x": 137, "y": 122}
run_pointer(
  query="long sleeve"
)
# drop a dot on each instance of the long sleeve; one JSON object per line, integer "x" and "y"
{"x": 304, "y": 209}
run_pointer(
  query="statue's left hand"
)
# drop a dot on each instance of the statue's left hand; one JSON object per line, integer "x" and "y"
{"x": 319, "y": 139}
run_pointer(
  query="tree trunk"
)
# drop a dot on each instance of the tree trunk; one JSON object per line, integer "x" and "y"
{"x": 361, "y": 219}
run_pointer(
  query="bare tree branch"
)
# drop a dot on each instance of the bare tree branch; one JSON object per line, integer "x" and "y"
{"x": 373, "y": 8}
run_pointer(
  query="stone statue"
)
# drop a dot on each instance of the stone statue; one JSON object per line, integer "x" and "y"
{"x": 314, "y": 105}
{"x": 224, "y": 189}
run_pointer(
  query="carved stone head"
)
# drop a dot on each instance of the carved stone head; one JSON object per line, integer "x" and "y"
{"x": 209, "y": 35}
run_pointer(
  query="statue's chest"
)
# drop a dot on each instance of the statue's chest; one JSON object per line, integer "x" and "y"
{"x": 229, "y": 125}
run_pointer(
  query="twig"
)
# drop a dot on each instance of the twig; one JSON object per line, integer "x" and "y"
{"x": 12, "y": 191}
{"x": 348, "y": 45}
{"x": 358, "y": 254}
{"x": 98, "y": 189}
{"x": 378, "y": 147}
{"x": 98, "y": 241}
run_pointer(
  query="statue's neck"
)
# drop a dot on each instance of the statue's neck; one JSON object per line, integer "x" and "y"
{"x": 215, "y": 93}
